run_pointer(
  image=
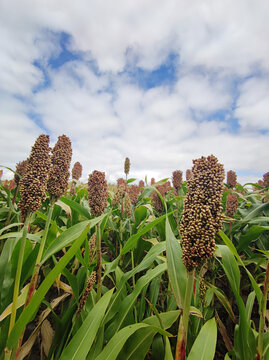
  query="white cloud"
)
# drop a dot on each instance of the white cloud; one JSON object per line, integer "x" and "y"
{"x": 108, "y": 116}
{"x": 253, "y": 104}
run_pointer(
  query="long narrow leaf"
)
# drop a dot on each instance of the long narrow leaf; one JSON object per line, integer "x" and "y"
{"x": 205, "y": 343}
{"x": 81, "y": 343}
{"x": 31, "y": 309}
{"x": 131, "y": 242}
{"x": 176, "y": 269}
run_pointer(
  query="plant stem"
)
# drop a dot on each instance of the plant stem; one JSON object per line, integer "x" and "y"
{"x": 18, "y": 273}
{"x": 262, "y": 315}
{"x": 184, "y": 321}
{"x": 34, "y": 278}
{"x": 44, "y": 237}
{"x": 99, "y": 260}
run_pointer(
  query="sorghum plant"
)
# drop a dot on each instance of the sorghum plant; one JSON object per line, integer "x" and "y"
{"x": 201, "y": 220}
{"x": 33, "y": 191}
{"x": 177, "y": 180}
{"x": 266, "y": 179}
{"x": 59, "y": 172}
{"x": 98, "y": 193}
{"x": 134, "y": 192}
{"x": 76, "y": 175}
{"x": 231, "y": 179}
{"x": 231, "y": 204}
{"x": 127, "y": 166}
{"x": 188, "y": 174}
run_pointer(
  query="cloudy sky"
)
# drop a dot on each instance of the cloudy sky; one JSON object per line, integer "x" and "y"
{"x": 160, "y": 81}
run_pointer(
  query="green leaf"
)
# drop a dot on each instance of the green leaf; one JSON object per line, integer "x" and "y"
{"x": 131, "y": 242}
{"x": 231, "y": 268}
{"x": 140, "y": 214}
{"x": 38, "y": 297}
{"x": 168, "y": 351}
{"x": 205, "y": 343}
{"x": 235, "y": 253}
{"x": 145, "y": 263}
{"x": 130, "y": 180}
{"x": 68, "y": 236}
{"x": 81, "y": 343}
{"x": 76, "y": 207}
{"x": 252, "y": 234}
{"x": 129, "y": 301}
{"x": 255, "y": 212}
{"x": 224, "y": 301}
{"x": 114, "y": 346}
{"x": 138, "y": 344}
{"x": 176, "y": 270}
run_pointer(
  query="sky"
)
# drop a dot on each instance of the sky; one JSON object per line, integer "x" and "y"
{"x": 162, "y": 82}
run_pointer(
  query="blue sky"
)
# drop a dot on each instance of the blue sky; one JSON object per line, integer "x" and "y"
{"x": 162, "y": 83}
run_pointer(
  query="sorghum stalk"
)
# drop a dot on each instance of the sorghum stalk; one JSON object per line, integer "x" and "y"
{"x": 18, "y": 272}
{"x": 99, "y": 260}
{"x": 183, "y": 326}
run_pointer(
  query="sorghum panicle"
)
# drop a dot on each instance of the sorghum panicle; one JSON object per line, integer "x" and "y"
{"x": 266, "y": 179}
{"x": 177, "y": 179}
{"x": 9, "y": 184}
{"x": 128, "y": 206}
{"x": 141, "y": 184}
{"x": 202, "y": 291}
{"x": 91, "y": 243}
{"x": 20, "y": 170}
{"x": 231, "y": 179}
{"x": 123, "y": 182}
{"x": 231, "y": 204}
{"x": 157, "y": 202}
{"x": 77, "y": 171}
{"x": 97, "y": 189}
{"x": 202, "y": 213}
{"x": 119, "y": 195}
{"x": 33, "y": 184}
{"x": 59, "y": 172}
{"x": 134, "y": 192}
{"x": 188, "y": 174}
{"x": 167, "y": 187}
{"x": 152, "y": 181}
{"x": 127, "y": 166}
{"x": 88, "y": 289}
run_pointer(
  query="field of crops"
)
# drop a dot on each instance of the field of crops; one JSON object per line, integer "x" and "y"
{"x": 167, "y": 269}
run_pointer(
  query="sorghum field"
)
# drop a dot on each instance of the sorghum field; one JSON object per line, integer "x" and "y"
{"x": 172, "y": 269}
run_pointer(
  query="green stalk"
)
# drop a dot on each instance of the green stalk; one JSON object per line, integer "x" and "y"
{"x": 263, "y": 311}
{"x": 18, "y": 278}
{"x": 44, "y": 237}
{"x": 99, "y": 260}
{"x": 183, "y": 325}
{"x": 18, "y": 273}
{"x": 37, "y": 267}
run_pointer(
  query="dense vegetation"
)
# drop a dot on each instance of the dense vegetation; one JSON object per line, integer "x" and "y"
{"x": 96, "y": 272}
